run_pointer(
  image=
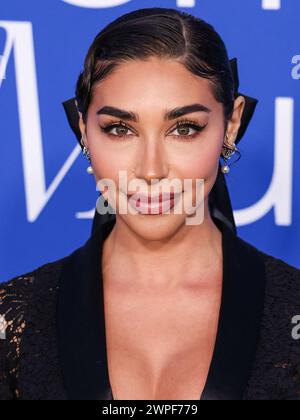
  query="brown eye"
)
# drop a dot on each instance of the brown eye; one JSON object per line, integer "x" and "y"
{"x": 121, "y": 129}
{"x": 184, "y": 127}
{"x": 184, "y": 130}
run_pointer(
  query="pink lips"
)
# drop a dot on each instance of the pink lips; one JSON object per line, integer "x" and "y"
{"x": 155, "y": 199}
{"x": 154, "y": 204}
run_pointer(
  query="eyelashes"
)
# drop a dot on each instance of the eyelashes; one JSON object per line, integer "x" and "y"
{"x": 190, "y": 124}
{"x": 109, "y": 126}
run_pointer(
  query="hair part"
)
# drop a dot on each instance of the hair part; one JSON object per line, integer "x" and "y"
{"x": 161, "y": 33}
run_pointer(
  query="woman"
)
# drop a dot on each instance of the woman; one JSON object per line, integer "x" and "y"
{"x": 155, "y": 305}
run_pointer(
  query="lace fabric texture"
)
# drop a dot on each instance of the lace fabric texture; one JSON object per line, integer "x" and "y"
{"x": 276, "y": 372}
{"x": 29, "y": 368}
{"x": 29, "y": 363}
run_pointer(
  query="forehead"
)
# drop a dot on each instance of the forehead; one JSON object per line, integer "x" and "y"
{"x": 159, "y": 82}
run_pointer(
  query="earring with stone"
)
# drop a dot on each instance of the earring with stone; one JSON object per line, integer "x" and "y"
{"x": 227, "y": 152}
{"x": 86, "y": 153}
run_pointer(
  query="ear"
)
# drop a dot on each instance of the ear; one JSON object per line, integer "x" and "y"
{"x": 82, "y": 125}
{"x": 235, "y": 121}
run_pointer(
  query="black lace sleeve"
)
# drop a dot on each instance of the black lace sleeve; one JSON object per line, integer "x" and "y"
{"x": 276, "y": 374}
{"x": 21, "y": 299}
{"x": 13, "y": 303}
{"x": 5, "y": 388}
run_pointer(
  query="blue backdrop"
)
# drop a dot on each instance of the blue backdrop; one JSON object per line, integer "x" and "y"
{"x": 46, "y": 196}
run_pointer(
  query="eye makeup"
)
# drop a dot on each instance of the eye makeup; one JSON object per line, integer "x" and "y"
{"x": 190, "y": 124}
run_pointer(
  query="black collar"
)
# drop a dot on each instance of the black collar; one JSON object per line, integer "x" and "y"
{"x": 81, "y": 325}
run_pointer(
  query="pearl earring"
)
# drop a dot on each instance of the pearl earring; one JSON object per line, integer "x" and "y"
{"x": 227, "y": 153}
{"x": 90, "y": 170}
{"x": 86, "y": 153}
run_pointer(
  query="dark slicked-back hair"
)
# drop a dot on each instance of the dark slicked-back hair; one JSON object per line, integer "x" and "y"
{"x": 162, "y": 33}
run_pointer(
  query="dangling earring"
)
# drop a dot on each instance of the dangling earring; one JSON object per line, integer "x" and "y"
{"x": 227, "y": 153}
{"x": 86, "y": 153}
{"x": 90, "y": 170}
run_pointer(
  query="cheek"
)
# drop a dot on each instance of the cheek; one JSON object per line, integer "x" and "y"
{"x": 108, "y": 163}
{"x": 105, "y": 167}
{"x": 105, "y": 158}
{"x": 202, "y": 161}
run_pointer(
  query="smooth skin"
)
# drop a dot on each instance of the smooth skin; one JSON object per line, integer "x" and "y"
{"x": 162, "y": 277}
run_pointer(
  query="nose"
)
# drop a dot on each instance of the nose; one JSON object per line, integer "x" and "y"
{"x": 151, "y": 162}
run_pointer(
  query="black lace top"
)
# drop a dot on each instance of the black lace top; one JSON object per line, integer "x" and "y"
{"x": 53, "y": 344}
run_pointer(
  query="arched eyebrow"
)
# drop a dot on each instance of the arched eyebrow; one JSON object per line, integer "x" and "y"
{"x": 169, "y": 115}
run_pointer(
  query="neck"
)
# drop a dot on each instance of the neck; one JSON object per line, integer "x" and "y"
{"x": 193, "y": 252}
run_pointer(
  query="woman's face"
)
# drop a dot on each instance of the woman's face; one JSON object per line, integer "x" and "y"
{"x": 151, "y": 148}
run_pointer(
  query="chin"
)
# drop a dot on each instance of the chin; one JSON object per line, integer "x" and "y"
{"x": 155, "y": 227}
